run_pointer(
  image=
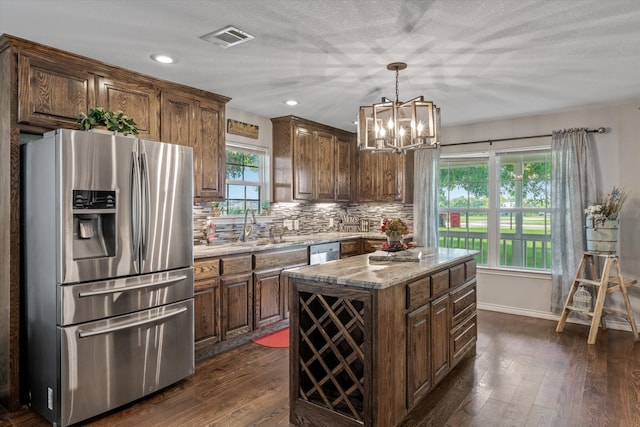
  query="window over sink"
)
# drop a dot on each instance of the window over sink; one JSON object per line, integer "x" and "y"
{"x": 247, "y": 172}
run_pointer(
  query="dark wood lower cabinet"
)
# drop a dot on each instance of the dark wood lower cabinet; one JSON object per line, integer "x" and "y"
{"x": 418, "y": 354}
{"x": 207, "y": 313}
{"x": 241, "y": 296}
{"x": 237, "y": 303}
{"x": 440, "y": 337}
{"x": 267, "y": 293}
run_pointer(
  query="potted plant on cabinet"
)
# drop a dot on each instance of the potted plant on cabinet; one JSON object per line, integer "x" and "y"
{"x": 113, "y": 121}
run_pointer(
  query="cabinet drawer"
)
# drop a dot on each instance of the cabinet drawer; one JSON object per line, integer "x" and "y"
{"x": 349, "y": 248}
{"x": 206, "y": 269}
{"x": 281, "y": 259}
{"x": 237, "y": 264}
{"x": 439, "y": 282}
{"x": 203, "y": 285}
{"x": 470, "y": 267}
{"x": 463, "y": 302}
{"x": 463, "y": 338}
{"x": 457, "y": 275}
{"x": 418, "y": 293}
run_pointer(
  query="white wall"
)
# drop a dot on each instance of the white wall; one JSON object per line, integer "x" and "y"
{"x": 617, "y": 163}
{"x": 265, "y": 134}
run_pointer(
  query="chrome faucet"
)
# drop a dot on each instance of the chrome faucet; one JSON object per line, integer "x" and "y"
{"x": 246, "y": 231}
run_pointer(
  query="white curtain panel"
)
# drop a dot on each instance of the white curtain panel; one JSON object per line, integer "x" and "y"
{"x": 425, "y": 197}
{"x": 573, "y": 186}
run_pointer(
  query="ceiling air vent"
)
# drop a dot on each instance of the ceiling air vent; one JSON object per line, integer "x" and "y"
{"x": 227, "y": 36}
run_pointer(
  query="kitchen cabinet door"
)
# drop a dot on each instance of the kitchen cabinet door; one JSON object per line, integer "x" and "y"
{"x": 440, "y": 321}
{"x": 350, "y": 248}
{"x": 418, "y": 354}
{"x": 206, "y": 301}
{"x": 52, "y": 94}
{"x": 209, "y": 151}
{"x": 303, "y": 164}
{"x": 197, "y": 123}
{"x": 177, "y": 119}
{"x": 367, "y": 176}
{"x": 385, "y": 177}
{"x": 389, "y": 177}
{"x": 345, "y": 167}
{"x": 138, "y": 101}
{"x": 267, "y": 298}
{"x": 237, "y": 304}
{"x": 324, "y": 159}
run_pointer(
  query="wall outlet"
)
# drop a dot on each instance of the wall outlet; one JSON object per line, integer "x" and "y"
{"x": 288, "y": 223}
{"x": 330, "y": 222}
{"x": 296, "y": 224}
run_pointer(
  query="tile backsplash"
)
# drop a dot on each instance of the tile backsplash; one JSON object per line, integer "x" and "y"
{"x": 311, "y": 218}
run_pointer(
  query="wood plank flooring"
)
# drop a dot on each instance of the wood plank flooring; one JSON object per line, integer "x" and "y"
{"x": 524, "y": 374}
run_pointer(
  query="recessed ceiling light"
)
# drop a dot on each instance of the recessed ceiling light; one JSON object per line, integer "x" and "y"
{"x": 163, "y": 59}
{"x": 291, "y": 102}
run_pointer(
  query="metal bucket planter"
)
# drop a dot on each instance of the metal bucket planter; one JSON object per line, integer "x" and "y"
{"x": 602, "y": 236}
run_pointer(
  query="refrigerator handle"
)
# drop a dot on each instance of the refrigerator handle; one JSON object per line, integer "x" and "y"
{"x": 135, "y": 207}
{"x": 131, "y": 288}
{"x": 94, "y": 332}
{"x": 146, "y": 203}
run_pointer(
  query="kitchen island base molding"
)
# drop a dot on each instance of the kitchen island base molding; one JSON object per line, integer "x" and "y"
{"x": 367, "y": 353}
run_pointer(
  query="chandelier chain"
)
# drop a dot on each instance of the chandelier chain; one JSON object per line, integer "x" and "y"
{"x": 397, "y": 90}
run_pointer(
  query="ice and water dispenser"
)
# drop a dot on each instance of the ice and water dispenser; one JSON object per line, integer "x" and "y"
{"x": 94, "y": 224}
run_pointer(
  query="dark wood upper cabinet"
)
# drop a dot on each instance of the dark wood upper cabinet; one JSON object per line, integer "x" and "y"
{"x": 209, "y": 151}
{"x": 345, "y": 164}
{"x": 385, "y": 177}
{"x": 311, "y": 161}
{"x": 138, "y": 101}
{"x": 198, "y": 123}
{"x": 178, "y": 116}
{"x": 51, "y": 93}
{"x": 325, "y": 173}
{"x": 303, "y": 167}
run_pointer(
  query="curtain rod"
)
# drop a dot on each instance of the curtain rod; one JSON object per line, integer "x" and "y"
{"x": 491, "y": 141}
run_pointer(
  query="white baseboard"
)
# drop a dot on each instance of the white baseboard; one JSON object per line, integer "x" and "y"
{"x": 611, "y": 324}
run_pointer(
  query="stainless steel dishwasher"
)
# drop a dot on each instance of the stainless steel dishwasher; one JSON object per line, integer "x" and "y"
{"x": 324, "y": 252}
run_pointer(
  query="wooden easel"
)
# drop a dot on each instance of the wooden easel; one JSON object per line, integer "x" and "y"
{"x": 604, "y": 284}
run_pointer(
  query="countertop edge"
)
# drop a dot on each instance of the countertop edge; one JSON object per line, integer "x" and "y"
{"x": 357, "y": 272}
{"x": 201, "y": 252}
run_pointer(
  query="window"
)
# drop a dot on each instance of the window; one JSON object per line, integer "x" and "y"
{"x": 246, "y": 179}
{"x": 499, "y": 204}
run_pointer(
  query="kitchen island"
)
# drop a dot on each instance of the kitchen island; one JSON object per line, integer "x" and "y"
{"x": 371, "y": 336}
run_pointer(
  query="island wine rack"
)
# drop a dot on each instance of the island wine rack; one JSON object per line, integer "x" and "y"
{"x": 332, "y": 346}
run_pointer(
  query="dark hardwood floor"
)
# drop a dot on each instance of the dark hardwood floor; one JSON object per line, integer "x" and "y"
{"x": 524, "y": 374}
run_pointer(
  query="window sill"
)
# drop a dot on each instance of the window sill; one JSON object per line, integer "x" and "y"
{"x": 239, "y": 219}
{"x": 505, "y": 271}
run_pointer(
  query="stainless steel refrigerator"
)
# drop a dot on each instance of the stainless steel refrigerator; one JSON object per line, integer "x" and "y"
{"x": 108, "y": 270}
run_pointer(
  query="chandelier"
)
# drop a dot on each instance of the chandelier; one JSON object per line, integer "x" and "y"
{"x": 399, "y": 126}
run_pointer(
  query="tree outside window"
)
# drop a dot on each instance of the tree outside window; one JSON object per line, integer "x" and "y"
{"x": 244, "y": 181}
{"x": 510, "y": 223}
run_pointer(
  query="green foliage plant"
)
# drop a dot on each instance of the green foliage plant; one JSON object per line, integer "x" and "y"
{"x": 114, "y": 121}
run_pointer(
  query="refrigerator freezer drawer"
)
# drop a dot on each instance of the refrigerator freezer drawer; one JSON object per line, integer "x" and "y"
{"x": 98, "y": 300}
{"x": 109, "y": 363}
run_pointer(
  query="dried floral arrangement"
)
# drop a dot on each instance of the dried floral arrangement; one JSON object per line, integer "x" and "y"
{"x": 608, "y": 207}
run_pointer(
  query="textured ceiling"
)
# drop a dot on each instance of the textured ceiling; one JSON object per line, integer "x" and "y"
{"x": 476, "y": 59}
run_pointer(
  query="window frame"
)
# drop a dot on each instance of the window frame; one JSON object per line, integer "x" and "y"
{"x": 264, "y": 172}
{"x": 494, "y": 209}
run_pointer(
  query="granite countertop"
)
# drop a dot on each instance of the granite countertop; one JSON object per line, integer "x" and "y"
{"x": 201, "y": 251}
{"x": 361, "y": 272}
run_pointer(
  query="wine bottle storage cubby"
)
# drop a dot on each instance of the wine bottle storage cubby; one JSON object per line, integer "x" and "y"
{"x": 332, "y": 352}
